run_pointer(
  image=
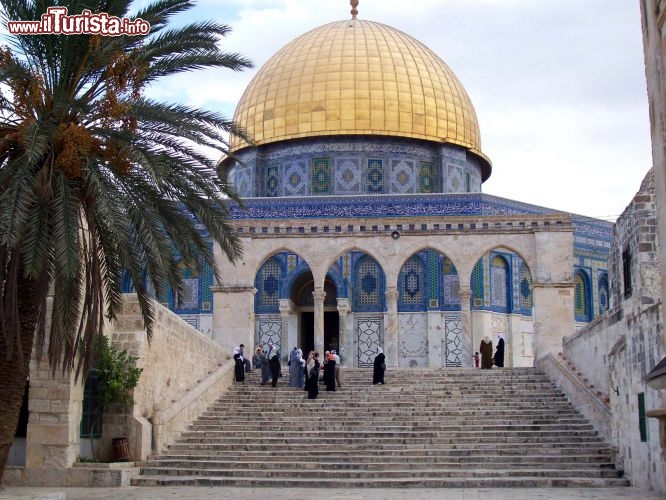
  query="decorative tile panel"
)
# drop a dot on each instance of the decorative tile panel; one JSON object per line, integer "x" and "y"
{"x": 348, "y": 176}
{"x": 241, "y": 177}
{"x": 413, "y": 340}
{"x": 269, "y": 329}
{"x": 453, "y": 340}
{"x": 271, "y": 181}
{"x": 369, "y": 334}
{"x": 411, "y": 285}
{"x": 374, "y": 177}
{"x": 426, "y": 177}
{"x": 321, "y": 176}
{"x": 401, "y": 176}
{"x": 295, "y": 178}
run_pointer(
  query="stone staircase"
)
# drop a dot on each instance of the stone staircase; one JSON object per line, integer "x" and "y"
{"x": 457, "y": 428}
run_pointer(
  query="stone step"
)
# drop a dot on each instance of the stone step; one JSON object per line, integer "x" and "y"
{"x": 410, "y": 420}
{"x": 403, "y": 455}
{"x": 425, "y": 428}
{"x": 371, "y": 482}
{"x": 331, "y": 472}
{"x": 368, "y": 462}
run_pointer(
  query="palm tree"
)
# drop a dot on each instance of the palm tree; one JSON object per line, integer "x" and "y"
{"x": 97, "y": 179}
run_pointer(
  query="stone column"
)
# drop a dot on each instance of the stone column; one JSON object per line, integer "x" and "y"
{"x": 391, "y": 328}
{"x": 319, "y": 295}
{"x": 467, "y": 357}
{"x": 553, "y": 316}
{"x": 233, "y": 315}
{"x": 55, "y": 416}
{"x": 289, "y": 333}
{"x": 346, "y": 333}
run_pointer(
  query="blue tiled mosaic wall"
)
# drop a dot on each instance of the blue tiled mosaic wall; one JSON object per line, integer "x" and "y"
{"x": 325, "y": 166}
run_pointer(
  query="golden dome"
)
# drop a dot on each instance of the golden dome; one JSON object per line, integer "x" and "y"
{"x": 357, "y": 77}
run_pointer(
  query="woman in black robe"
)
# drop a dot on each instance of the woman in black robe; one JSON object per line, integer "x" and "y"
{"x": 329, "y": 373}
{"x": 379, "y": 367}
{"x": 312, "y": 378}
{"x": 499, "y": 353}
{"x": 274, "y": 364}
{"x": 239, "y": 366}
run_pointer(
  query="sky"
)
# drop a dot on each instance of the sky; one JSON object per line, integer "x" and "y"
{"x": 558, "y": 85}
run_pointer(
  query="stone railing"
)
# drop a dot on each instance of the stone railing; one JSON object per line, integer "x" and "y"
{"x": 579, "y": 393}
{"x": 183, "y": 373}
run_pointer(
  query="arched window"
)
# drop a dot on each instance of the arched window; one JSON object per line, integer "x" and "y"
{"x": 450, "y": 285}
{"x": 267, "y": 283}
{"x": 412, "y": 286}
{"x": 525, "y": 290}
{"x": 581, "y": 299}
{"x": 369, "y": 286}
{"x": 604, "y": 302}
{"x": 477, "y": 285}
{"x": 499, "y": 285}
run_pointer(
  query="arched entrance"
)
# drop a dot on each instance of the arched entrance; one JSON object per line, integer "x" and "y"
{"x": 301, "y": 295}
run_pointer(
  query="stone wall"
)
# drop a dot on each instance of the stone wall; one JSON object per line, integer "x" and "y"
{"x": 618, "y": 350}
{"x": 177, "y": 362}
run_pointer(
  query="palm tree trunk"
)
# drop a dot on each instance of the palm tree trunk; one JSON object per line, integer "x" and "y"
{"x": 15, "y": 369}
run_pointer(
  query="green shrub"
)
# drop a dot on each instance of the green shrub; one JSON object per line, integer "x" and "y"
{"x": 117, "y": 373}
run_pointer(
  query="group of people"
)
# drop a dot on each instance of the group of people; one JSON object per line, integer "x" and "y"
{"x": 311, "y": 367}
{"x": 302, "y": 372}
{"x": 267, "y": 361}
{"x": 488, "y": 359}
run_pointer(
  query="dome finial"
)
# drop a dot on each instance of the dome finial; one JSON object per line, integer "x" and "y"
{"x": 354, "y": 11}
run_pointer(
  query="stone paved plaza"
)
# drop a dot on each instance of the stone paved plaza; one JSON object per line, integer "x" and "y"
{"x": 192, "y": 493}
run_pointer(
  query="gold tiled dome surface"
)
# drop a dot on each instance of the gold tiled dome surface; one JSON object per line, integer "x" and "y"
{"x": 357, "y": 77}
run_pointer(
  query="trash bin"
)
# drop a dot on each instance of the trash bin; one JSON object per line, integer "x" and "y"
{"x": 121, "y": 451}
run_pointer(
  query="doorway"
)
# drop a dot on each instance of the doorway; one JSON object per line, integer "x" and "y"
{"x": 306, "y": 339}
{"x": 331, "y": 330}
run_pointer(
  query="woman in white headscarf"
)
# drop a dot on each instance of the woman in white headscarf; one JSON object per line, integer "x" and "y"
{"x": 239, "y": 366}
{"x": 379, "y": 367}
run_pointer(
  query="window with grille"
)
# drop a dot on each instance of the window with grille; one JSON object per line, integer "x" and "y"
{"x": 604, "y": 301}
{"x": 412, "y": 285}
{"x": 368, "y": 285}
{"x": 91, "y": 418}
{"x": 498, "y": 288}
{"x": 581, "y": 297}
{"x": 626, "y": 272}
{"x": 642, "y": 418}
{"x": 477, "y": 285}
{"x": 525, "y": 288}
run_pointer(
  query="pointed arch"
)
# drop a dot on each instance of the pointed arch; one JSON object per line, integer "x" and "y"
{"x": 604, "y": 293}
{"x": 274, "y": 280}
{"x": 412, "y": 285}
{"x": 582, "y": 302}
{"x": 368, "y": 284}
{"x": 428, "y": 280}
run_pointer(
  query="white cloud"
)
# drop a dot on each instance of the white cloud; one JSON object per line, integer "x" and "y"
{"x": 558, "y": 85}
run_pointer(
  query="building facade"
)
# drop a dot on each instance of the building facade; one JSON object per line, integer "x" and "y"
{"x": 364, "y": 223}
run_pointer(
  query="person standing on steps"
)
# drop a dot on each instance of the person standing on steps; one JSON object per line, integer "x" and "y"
{"x": 379, "y": 367}
{"x": 337, "y": 367}
{"x": 246, "y": 361}
{"x": 329, "y": 371}
{"x": 486, "y": 350}
{"x": 295, "y": 368}
{"x": 274, "y": 363}
{"x": 301, "y": 369}
{"x": 239, "y": 366}
{"x": 260, "y": 362}
{"x": 499, "y": 353}
{"x": 312, "y": 380}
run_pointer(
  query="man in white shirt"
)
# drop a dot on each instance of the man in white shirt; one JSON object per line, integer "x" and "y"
{"x": 337, "y": 367}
